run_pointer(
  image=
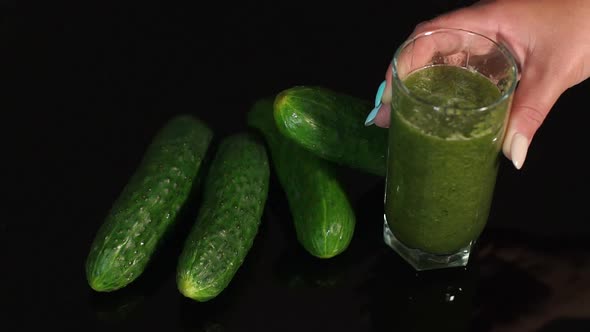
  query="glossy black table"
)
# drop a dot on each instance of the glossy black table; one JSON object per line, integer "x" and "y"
{"x": 94, "y": 83}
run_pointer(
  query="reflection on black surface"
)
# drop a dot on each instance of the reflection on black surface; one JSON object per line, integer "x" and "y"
{"x": 531, "y": 283}
{"x": 297, "y": 269}
{"x": 116, "y": 309}
{"x": 515, "y": 282}
{"x": 203, "y": 317}
{"x": 400, "y": 299}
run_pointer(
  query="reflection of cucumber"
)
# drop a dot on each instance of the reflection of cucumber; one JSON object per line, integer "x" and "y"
{"x": 331, "y": 125}
{"x": 304, "y": 271}
{"x": 120, "y": 310}
{"x": 323, "y": 217}
{"x": 234, "y": 197}
{"x": 148, "y": 205}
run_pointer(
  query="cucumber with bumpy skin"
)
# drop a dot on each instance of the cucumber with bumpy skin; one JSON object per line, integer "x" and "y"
{"x": 149, "y": 204}
{"x": 322, "y": 213}
{"x": 234, "y": 197}
{"x": 331, "y": 125}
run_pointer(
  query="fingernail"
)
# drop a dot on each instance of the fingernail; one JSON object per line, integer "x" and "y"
{"x": 518, "y": 150}
{"x": 380, "y": 93}
{"x": 371, "y": 117}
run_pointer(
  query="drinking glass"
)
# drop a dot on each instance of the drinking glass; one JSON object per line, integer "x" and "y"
{"x": 452, "y": 92}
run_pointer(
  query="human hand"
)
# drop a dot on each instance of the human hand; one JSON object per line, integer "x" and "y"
{"x": 550, "y": 43}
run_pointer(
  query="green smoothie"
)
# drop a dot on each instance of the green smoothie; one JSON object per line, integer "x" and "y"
{"x": 443, "y": 160}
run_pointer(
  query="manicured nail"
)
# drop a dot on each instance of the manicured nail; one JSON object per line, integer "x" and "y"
{"x": 371, "y": 117}
{"x": 518, "y": 150}
{"x": 380, "y": 93}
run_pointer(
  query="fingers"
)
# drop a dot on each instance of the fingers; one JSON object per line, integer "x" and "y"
{"x": 382, "y": 119}
{"x": 422, "y": 51}
{"x": 534, "y": 98}
{"x": 380, "y": 114}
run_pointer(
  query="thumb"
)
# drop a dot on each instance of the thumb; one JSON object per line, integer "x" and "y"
{"x": 534, "y": 97}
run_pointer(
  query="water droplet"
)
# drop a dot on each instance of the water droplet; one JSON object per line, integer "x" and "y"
{"x": 449, "y": 297}
{"x": 141, "y": 243}
{"x": 135, "y": 252}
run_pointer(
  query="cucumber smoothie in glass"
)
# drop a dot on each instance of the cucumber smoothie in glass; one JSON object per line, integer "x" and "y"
{"x": 452, "y": 91}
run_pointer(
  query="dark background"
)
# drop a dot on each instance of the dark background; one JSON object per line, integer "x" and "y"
{"x": 88, "y": 85}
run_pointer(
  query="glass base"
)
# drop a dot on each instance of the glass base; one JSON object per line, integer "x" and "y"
{"x": 421, "y": 260}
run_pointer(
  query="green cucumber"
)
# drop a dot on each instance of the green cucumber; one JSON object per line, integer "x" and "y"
{"x": 331, "y": 125}
{"x": 322, "y": 214}
{"x": 234, "y": 197}
{"x": 148, "y": 205}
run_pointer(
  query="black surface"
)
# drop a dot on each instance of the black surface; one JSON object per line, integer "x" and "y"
{"x": 90, "y": 84}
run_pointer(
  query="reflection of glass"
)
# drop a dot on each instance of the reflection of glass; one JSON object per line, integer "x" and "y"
{"x": 401, "y": 299}
{"x": 452, "y": 91}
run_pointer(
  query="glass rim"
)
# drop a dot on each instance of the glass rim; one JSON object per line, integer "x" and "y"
{"x": 502, "y": 48}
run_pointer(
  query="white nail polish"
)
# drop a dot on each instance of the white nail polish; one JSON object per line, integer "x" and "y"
{"x": 518, "y": 150}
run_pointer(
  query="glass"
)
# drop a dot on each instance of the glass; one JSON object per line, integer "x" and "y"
{"x": 452, "y": 92}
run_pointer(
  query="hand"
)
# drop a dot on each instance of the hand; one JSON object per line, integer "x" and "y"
{"x": 550, "y": 41}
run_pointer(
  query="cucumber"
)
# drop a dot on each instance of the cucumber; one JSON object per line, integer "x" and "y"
{"x": 234, "y": 197}
{"x": 148, "y": 205}
{"x": 331, "y": 125}
{"x": 323, "y": 217}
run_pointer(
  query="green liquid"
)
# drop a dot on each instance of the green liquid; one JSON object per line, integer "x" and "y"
{"x": 443, "y": 163}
